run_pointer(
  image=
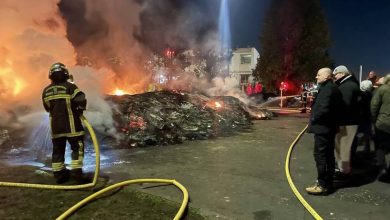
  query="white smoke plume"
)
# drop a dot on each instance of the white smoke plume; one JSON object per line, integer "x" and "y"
{"x": 228, "y": 86}
{"x": 98, "y": 112}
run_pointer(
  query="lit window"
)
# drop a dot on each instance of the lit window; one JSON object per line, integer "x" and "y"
{"x": 246, "y": 59}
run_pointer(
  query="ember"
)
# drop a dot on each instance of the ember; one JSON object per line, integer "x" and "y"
{"x": 214, "y": 104}
{"x": 136, "y": 122}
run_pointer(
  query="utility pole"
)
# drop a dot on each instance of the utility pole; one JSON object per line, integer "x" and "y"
{"x": 281, "y": 97}
{"x": 283, "y": 86}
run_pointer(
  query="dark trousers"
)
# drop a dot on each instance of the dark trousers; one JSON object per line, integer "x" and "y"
{"x": 58, "y": 156}
{"x": 382, "y": 147}
{"x": 324, "y": 156}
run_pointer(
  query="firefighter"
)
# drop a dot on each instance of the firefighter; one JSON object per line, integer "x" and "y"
{"x": 65, "y": 103}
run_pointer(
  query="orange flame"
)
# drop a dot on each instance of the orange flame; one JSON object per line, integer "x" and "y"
{"x": 13, "y": 85}
{"x": 120, "y": 90}
{"x": 214, "y": 104}
{"x": 218, "y": 105}
{"x": 18, "y": 86}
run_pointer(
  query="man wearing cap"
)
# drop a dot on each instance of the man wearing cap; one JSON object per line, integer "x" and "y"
{"x": 350, "y": 92}
{"x": 324, "y": 124}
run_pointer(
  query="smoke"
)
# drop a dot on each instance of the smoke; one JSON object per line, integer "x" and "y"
{"x": 219, "y": 86}
{"x": 101, "y": 31}
{"x": 33, "y": 36}
{"x": 113, "y": 38}
{"x": 179, "y": 24}
{"x": 121, "y": 35}
{"x": 228, "y": 86}
{"x": 99, "y": 112}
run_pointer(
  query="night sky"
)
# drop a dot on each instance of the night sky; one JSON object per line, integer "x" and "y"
{"x": 360, "y": 30}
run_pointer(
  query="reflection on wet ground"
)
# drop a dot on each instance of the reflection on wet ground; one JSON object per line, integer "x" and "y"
{"x": 29, "y": 156}
{"x": 239, "y": 176}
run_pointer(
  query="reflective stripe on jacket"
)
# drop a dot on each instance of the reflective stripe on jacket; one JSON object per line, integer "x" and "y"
{"x": 58, "y": 100}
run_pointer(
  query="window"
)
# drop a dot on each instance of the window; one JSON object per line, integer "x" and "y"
{"x": 246, "y": 59}
{"x": 244, "y": 78}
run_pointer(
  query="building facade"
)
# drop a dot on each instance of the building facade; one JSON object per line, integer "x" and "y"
{"x": 242, "y": 63}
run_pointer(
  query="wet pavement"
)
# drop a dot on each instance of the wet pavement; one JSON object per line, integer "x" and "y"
{"x": 242, "y": 176}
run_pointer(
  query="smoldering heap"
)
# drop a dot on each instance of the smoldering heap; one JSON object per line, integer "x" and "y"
{"x": 169, "y": 117}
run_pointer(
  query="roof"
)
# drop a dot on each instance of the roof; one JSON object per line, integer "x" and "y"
{"x": 243, "y": 50}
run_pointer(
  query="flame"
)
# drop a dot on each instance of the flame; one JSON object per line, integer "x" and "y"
{"x": 214, "y": 104}
{"x": 218, "y": 105}
{"x": 13, "y": 85}
{"x": 119, "y": 92}
{"x": 260, "y": 115}
{"x": 18, "y": 86}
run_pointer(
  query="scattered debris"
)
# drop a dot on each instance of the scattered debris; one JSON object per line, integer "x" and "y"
{"x": 170, "y": 117}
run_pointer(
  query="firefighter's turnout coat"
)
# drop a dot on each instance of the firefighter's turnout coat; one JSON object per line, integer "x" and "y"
{"x": 65, "y": 103}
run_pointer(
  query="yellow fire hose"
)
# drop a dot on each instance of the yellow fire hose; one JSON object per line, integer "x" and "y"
{"x": 125, "y": 183}
{"x": 70, "y": 187}
{"x": 290, "y": 182}
{"x": 94, "y": 181}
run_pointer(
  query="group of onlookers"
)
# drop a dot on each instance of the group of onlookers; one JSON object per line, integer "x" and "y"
{"x": 343, "y": 108}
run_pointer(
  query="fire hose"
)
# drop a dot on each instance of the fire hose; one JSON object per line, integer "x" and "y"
{"x": 94, "y": 181}
{"x": 291, "y": 183}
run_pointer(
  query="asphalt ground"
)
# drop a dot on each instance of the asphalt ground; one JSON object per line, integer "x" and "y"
{"x": 243, "y": 176}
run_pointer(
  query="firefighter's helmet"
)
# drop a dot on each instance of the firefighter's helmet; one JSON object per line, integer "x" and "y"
{"x": 58, "y": 68}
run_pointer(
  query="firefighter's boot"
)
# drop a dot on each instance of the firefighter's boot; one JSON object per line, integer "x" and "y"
{"x": 77, "y": 175}
{"x": 61, "y": 176}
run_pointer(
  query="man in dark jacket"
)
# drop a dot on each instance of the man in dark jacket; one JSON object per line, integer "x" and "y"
{"x": 351, "y": 94}
{"x": 364, "y": 127}
{"x": 324, "y": 123}
{"x": 65, "y": 103}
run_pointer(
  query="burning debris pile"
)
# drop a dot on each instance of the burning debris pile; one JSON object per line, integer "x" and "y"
{"x": 164, "y": 117}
